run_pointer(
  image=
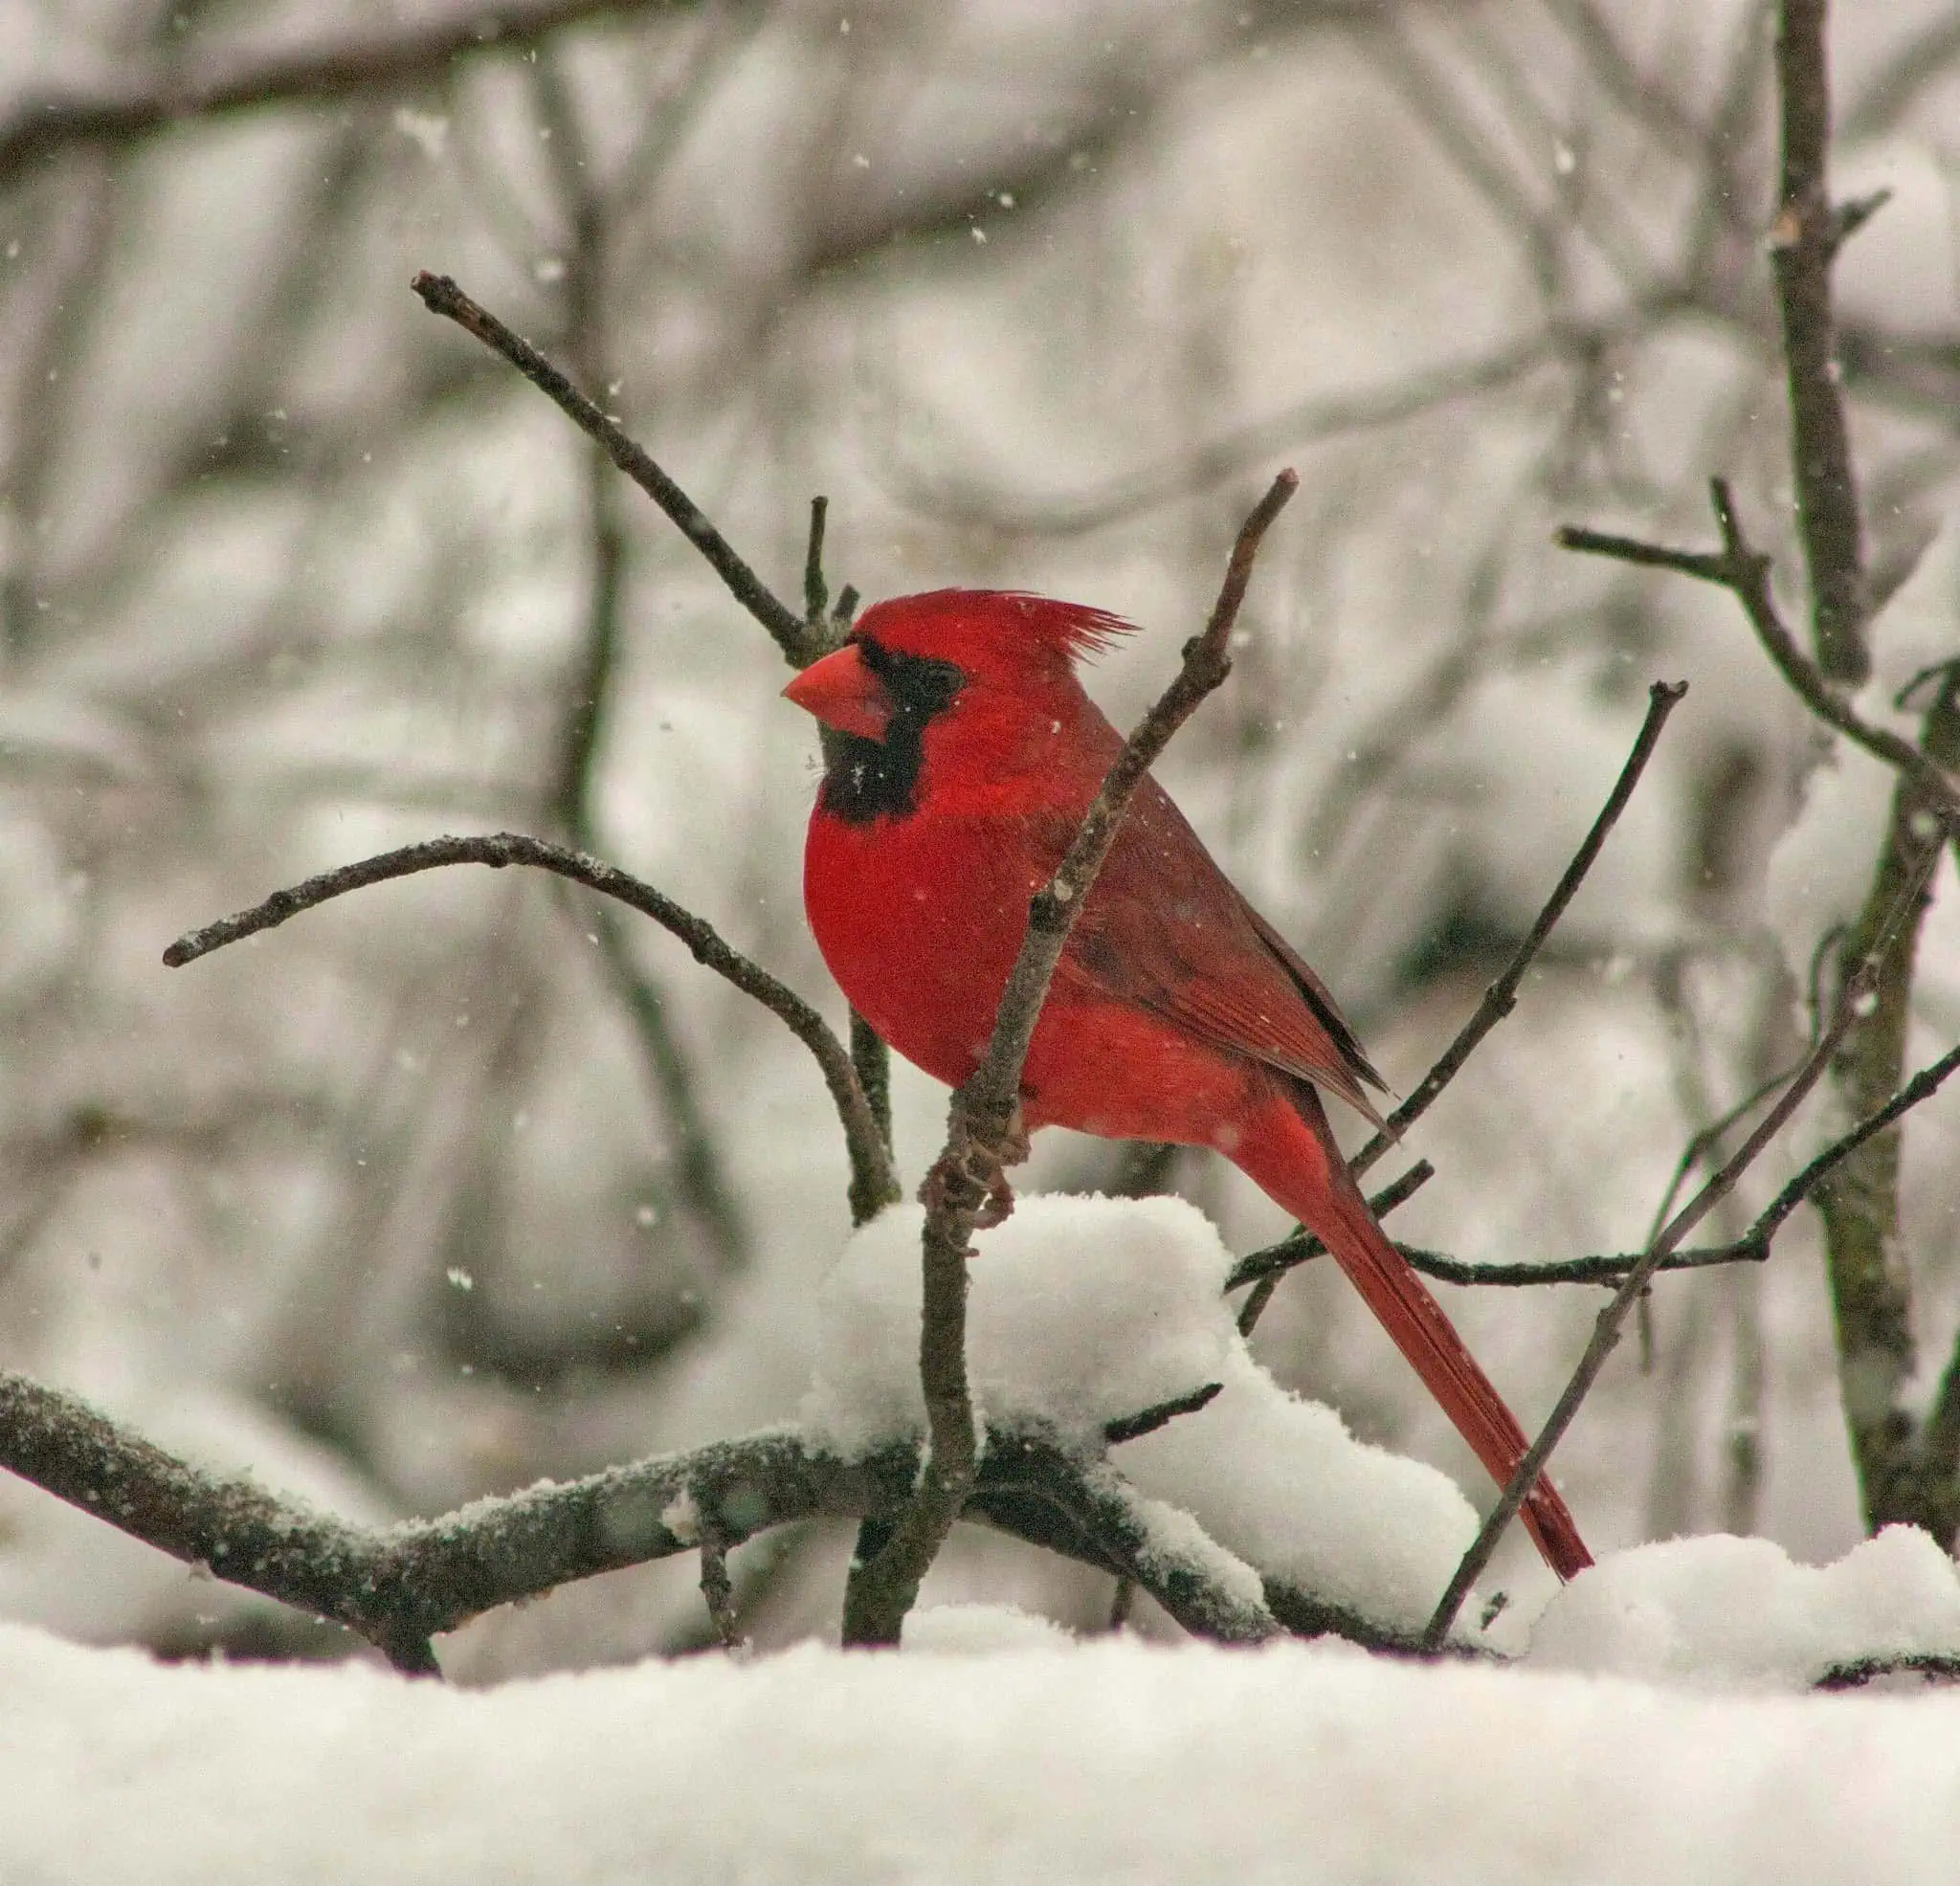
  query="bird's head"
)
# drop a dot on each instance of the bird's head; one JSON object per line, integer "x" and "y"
{"x": 980, "y": 666}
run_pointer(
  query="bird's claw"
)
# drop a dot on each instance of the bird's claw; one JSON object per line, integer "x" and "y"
{"x": 972, "y": 1172}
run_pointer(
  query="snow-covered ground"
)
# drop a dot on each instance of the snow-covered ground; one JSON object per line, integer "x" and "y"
{"x": 1656, "y": 1721}
{"x": 1031, "y": 1761}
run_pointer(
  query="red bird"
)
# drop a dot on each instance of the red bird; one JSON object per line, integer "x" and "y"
{"x": 962, "y": 755}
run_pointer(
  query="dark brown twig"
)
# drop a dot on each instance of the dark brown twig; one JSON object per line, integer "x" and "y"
{"x": 717, "y": 1593}
{"x": 1501, "y": 996}
{"x": 1744, "y": 571}
{"x": 1606, "y": 1331}
{"x": 873, "y": 1183}
{"x": 1133, "y": 1426}
{"x": 789, "y": 631}
{"x": 1264, "y": 1269}
{"x": 983, "y": 1122}
{"x": 1753, "y": 1247}
{"x": 1933, "y": 1666}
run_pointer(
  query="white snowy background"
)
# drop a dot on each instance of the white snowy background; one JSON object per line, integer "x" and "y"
{"x": 405, "y": 1203}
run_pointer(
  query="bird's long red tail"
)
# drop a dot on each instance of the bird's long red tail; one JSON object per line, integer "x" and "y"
{"x": 1290, "y": 1153}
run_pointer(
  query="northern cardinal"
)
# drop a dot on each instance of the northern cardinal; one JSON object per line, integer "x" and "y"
{"x": 962, "y": 754}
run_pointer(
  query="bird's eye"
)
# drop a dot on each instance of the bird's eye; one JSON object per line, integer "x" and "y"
{"x": 919, "y": 686}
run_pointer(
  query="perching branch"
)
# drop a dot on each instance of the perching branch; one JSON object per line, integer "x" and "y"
{"x": 800, "y": 645}
{"x": 872, "y": 1180}
{"x": 1856, "y": 991}
{"x": 983, "y": 1127}
{"x": 1501, "y": 996}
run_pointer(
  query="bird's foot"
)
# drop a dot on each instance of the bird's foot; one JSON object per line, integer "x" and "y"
{"x": 972, "y": 1171}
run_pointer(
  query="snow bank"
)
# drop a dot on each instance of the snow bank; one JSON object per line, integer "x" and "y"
{"x": 1109, "y": 1760}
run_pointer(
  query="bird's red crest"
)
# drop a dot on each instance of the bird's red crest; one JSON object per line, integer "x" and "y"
{"x": 964, "y": 626}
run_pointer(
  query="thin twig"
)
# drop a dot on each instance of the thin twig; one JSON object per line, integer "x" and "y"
{"x": 1264, "y": 1269}
{"x": 873, "y": 1182}
{"x": 1753, "y": 1247}
{"x": 1501, "y": 996}
{"x": 1933, "y": 1666}
{"x": 1606, "y": 1332}
{"x": 1133, "y": 1426}
{"x": 816, "y": 595}
{"x": 790, "y": 633}
{"x": 983, "y": 1122}
{"x": 717, "y": 1593}
{"x": 1744, "y": 571}
{"x": 411, "y": 55}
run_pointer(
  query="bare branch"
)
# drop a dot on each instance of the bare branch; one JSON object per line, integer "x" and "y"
{"x": 1501, "y": 996}
{"x": 873, "y": 1183}
{"x": 420, "y": 53}
{"x": 789, "y": 631}
{"x": 1606, "y": 1332}
{"x": 1803, "y": 243}
{"x": 1745, "y": 572}
{"x": 1135, "y": 1426}
{"x": 1933, "y": 1666}
{"x": 716, "y": 1592}
{"x": 1264, "y": 1269}
{"x": 983, "y": 1125}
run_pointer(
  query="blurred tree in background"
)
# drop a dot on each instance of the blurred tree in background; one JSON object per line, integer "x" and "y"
{"x": 465, "y": 1181}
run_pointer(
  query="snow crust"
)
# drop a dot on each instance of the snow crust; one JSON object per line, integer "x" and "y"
{"x": 1281, "y": 1482}
{"x": 1109, "y": 1760}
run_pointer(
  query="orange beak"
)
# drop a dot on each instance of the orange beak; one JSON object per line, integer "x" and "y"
{"x": 843, "y": 693}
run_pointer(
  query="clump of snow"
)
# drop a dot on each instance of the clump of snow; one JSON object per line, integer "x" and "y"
{"x": 1282, "y": 1483}
{"x": 1083, "y": 1311}
{"x": 981, "y": 1629}
{"x": 1736, "y": 1612}
{"x": 1087, "y": 1310}
{"x": 1820, "y": 869}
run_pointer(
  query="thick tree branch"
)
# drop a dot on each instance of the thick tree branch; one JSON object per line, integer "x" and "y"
{"x": 398, "y": 1586}
{"x": 872, "y": 1179}
{"x": 1803, "y": 243}
{"x": 983, "y": 1128}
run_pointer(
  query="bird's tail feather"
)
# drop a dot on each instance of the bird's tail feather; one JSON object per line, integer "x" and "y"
{"x": 1312, "y": 1182}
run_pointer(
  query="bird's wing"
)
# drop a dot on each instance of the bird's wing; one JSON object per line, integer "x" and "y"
{"x": 1164, "y": 927}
